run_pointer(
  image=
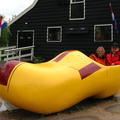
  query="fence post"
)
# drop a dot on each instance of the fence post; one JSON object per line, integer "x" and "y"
{"x": 19, "y": 55}
{"x": 32, "y": 53}
{"x": 0, "y": 54}
{"x": 7, "y": 56}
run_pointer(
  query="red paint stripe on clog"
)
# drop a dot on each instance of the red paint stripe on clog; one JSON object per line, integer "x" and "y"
{"x": 6, "y": 70}
{"x": 88, "y": 70}
{"x": 63, "y": 55}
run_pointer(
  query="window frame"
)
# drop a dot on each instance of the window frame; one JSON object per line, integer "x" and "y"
{"x": 60, "y": 33}
{"x": 103, "y": 26}
{"x": 72, "y": 2}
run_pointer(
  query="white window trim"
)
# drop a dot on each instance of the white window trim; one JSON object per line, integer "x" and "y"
{"x": 60, "y": 33}
{"x": 111, "y": 32}
{"x": 71, "y": 2}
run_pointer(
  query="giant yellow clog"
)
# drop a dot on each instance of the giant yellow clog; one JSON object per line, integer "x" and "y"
{"x": 57, "y": 84}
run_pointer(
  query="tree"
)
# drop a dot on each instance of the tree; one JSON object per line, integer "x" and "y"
{"x": 4, "y": 38}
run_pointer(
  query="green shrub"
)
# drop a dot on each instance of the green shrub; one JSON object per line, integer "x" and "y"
{"x": 39, "y": 59}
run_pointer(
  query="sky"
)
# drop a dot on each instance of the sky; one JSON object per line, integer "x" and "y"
{"x": 8, "y": 8}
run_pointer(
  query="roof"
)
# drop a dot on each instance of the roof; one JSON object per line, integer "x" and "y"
{"x": 22, "y": 13}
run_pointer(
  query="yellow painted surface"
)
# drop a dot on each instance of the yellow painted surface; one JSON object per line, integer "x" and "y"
{"x": 55, "y": 86}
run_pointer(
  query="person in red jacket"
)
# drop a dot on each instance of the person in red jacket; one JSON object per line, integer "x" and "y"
{"x": 99, "y": 56}
{"x": 113, "y": 58}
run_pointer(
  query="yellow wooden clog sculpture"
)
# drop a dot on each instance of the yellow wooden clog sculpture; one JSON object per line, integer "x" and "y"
{"x": 58, "y": 84}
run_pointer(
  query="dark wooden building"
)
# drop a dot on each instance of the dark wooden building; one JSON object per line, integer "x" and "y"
{"x": 54, "y": 26}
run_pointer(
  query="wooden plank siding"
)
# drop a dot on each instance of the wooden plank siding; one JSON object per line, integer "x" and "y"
{"x": 47, "y": 13}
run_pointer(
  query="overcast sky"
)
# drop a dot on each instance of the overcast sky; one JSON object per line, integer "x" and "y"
{"x": 13, "y": 7}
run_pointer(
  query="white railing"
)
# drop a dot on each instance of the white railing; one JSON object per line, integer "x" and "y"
{"x": 18, "y": 55}
{"x": 3, "y": 53}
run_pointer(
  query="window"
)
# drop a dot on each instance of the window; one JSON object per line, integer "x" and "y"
{"x": 103, "y": 33}
{"x": 77, "y": 9}
{"x": 54, "y": 34}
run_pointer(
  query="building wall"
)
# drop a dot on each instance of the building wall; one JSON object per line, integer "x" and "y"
{"x": 47, "y": 13}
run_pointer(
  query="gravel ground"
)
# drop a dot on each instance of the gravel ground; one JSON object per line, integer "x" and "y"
{"x": 89, "y": 109}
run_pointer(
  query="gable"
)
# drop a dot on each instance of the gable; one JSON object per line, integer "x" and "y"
{"x": 24, "y": 12}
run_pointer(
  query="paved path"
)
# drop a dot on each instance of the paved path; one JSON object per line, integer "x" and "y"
{"x": 2, "y": 106}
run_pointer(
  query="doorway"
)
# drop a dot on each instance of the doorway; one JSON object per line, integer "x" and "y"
{"x": 25, "y": 38}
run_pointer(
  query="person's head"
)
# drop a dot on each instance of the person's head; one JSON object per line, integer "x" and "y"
{"x": 100, "y": 51}
{"x": 115, "y": 48}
